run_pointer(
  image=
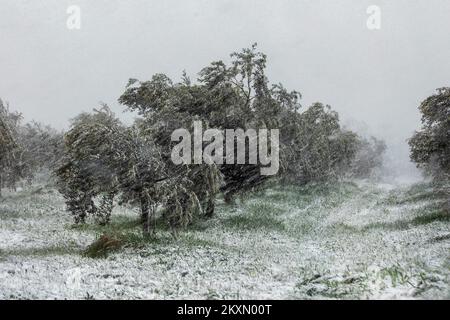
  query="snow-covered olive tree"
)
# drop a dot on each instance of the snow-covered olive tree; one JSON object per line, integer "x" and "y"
{"x": 104, "y": 158}
{"x": 86, "y": 173}
{"x": 239, "y": 95}
{"x": 316, "y": 148}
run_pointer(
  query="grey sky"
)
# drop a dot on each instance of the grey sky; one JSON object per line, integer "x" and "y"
{"x": 321, "y": 48}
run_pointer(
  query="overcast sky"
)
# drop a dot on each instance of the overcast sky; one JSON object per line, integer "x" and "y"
{"x": 322, "y": 48}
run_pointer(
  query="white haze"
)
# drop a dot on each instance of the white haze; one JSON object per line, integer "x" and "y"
{"x": 321, "y": 48}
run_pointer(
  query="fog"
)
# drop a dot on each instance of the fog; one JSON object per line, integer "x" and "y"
{"x": 374, "y": 78}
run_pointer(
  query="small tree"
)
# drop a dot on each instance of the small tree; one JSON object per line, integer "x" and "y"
{"x": 42, "y": 148}
{"x": 430, "y": 146}
{"x": 104, "y": 159}
{"x": 239, "y": 95}
{"x": 316, "y": 148}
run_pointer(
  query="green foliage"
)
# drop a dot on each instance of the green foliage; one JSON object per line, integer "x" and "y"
{"x": 260, "y": 216}
{"x": 238, "y": 95}
{"x": 25, "y": 150}
{"x": 104, "y": 159}
{"x": 315, "y": 146}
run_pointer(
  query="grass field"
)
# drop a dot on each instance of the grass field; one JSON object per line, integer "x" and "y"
{"x": 341, "y": 241}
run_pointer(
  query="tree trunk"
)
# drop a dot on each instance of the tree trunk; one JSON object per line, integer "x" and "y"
{"x": 145, "y": 214}
{"x": 105, "y": 208}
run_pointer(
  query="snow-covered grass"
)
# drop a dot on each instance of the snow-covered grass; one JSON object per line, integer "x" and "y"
{"x": 347, "y": 240}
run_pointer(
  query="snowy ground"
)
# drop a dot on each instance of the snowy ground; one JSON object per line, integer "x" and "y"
{"x": 344, "y": 241}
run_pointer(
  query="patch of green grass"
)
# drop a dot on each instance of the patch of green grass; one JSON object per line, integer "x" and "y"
{"x": 279, "y": 196}
{"x": 256, "y": 216}
{"x": 339, "y": 287}
{"x": 417, "y": 193}
{"x": 201, "y": 224}
{"x": 440, "y": 238}
{"x": 139, "y": 240}
{"x": 251, "y": 222}
{"x": 438, "y": 214}
{"x": 191, "y": 241}
{"x": 266, "y": 209}
{"x": 7, "y": 212}
{"x": 396, "y": 274}
{"x": 396, "y": 225}
{"x": 301, "y": 196}
{"x": 344, "y": 228}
